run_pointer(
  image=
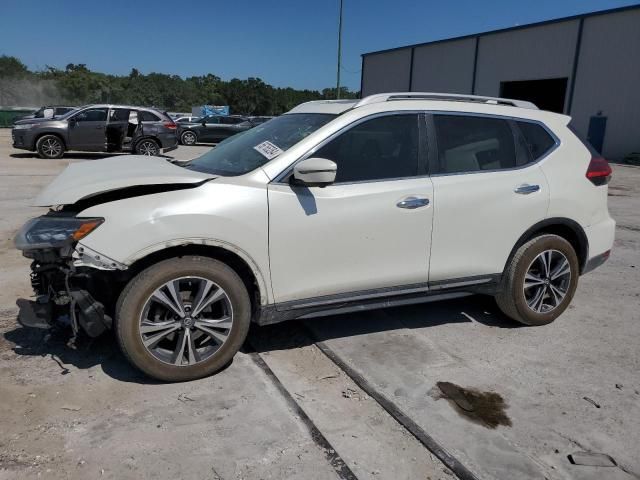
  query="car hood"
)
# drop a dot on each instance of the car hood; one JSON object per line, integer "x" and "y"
{"x": 90, "y": 178}
{"x": 30, "y": 120}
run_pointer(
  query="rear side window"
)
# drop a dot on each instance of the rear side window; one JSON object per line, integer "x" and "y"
{"x": 381, "y": 148}
{"x": 537, "y": 139}
{"x": 473, "y": 144}
{"x": 145, "y": 116}
{"x": 231, "y": 120}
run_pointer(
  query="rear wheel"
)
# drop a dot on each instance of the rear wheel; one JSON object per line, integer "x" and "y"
{"x": 183, "y": 318}
{"x": 147, "y": 147}
{"x": 540, "y": 281}
{"x": 50, "y": 146}
{"x": 188, "y": 138}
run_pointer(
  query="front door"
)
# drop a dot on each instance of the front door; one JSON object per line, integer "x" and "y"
{"x": 488, "y": 191}
{"x": 370, "y": 230}
{"x": 210, "y": 130}
{"x": 87, "y": 130}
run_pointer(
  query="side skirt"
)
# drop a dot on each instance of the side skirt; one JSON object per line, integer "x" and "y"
{"x": 378, "y": 298}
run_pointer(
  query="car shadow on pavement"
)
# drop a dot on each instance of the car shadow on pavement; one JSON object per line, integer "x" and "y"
{"x": 480, "y": 309}
{"x": 87, "y": 353}
{"x": 104, "y": 351}
{"x": 71, "y": 155}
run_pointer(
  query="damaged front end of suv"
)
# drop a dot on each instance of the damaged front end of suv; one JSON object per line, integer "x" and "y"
{"x": 75, "y": 286}
{"x": 71, "y": 286}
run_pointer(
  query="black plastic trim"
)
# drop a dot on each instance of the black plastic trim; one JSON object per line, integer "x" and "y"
{"x": 378, "y": 298}
{"x": 596, "y": 261}
{"x": 551, "y": 222}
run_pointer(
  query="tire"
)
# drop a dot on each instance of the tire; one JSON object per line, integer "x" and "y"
{"x": 188, "y": 138}
{"x": 546, "y": 295}
{"x": 188, "y": 347}
{"x": 148, "y": 147}
{"x": 50, "y": 147}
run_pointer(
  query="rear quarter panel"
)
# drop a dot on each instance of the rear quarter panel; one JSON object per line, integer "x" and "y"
{"x": 572, "y": 195}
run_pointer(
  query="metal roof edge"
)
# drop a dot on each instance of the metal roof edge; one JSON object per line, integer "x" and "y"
{"x": 508, "y": 29}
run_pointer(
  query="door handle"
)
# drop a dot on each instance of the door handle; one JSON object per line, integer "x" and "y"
{"x": 526, "y": 189}
{"x": 413, "y": 202}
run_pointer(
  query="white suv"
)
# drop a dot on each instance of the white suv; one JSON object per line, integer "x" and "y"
{"x": 337, "y": 205}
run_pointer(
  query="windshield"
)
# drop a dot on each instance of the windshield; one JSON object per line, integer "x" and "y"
{"x": 249, "y": 150}
{"x": 68, "y": 114}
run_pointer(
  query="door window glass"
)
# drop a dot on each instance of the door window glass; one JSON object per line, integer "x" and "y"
{"x": 472, "y": 144}
{"x": 381, "y": 148}
{"x": 92, "y": 115}
{"x": 145, "y": 116}
{"x": 119, "y": 115}
{"x": 211, "y": 120}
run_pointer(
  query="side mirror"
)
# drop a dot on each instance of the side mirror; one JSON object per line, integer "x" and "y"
{"x": 315, "y": 172}
{"x": 203, "y": 122}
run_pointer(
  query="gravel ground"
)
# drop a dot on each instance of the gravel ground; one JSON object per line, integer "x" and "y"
{"x": 543, "y": 393}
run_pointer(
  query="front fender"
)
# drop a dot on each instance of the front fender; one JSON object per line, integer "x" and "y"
{"x": 229, "y": 216}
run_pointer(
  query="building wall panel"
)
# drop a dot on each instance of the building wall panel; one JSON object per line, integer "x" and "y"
{"x": 545, "y": 51}
{"x": 444, "y": 67}
{"x": 608, "y": 80}
{"x": 386, "y": 72}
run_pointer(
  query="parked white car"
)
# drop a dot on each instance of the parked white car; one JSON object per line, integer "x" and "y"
{"x": 337, "y": 205}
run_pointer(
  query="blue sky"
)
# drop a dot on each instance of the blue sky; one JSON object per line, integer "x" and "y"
{"x": 284, "y": 42}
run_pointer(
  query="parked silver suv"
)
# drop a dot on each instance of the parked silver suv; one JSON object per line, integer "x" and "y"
{"x": 390, "y": 200}
{"x": 98, "y": 128}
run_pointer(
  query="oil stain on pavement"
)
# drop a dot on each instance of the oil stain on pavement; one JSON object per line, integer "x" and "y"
{"x": 484, "y": 408}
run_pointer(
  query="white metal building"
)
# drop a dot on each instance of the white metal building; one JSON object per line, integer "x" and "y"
{"x": 587, "y": 66}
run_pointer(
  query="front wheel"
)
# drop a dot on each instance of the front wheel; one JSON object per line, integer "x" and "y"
{"x": 50, "y": 146}
{"x": 183, "y": 318}
{"x": 147, "y": 147}
{"x": 540, "y": 281}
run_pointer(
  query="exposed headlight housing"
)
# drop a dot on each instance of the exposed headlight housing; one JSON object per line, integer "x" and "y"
{"x": 54, "y": 232}
{"x": 23, "y": 126}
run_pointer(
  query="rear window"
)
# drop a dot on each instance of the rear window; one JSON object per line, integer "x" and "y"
{"x": 146, "y": 116}
{"x": 473, "y": 144}
{"x": 537, "y": 139}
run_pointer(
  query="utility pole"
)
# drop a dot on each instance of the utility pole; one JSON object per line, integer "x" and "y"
{"x": 339, "y": 50}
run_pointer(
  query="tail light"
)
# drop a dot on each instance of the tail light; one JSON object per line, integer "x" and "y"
{"x": 170, "y": 125}
{"x": 599, "y": 171}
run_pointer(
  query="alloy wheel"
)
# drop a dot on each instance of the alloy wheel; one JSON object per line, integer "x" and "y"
{"x": 188, "y": 138}
{"x": 51, "y": 147}
{"x": 186, "y": 320}
{"x": 547, "y": 281}
{"x": 148, "y": 147}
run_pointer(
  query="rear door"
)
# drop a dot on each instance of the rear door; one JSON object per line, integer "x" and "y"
{"x": 87, "y": 130}
{"x": 488, "y": 190}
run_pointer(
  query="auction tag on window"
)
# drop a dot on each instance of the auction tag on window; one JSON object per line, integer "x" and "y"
{"x": 268, "y": 150}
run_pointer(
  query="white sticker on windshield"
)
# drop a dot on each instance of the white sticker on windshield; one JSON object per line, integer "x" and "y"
{"x": 268, "y": 150}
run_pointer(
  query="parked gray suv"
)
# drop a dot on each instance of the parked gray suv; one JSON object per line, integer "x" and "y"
{"x": 98, "y": 128}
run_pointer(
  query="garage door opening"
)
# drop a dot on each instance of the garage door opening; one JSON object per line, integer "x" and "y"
{"x": 548, "y": 94}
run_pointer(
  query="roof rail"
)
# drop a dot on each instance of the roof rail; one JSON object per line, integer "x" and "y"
{"x": 451, "y": 97}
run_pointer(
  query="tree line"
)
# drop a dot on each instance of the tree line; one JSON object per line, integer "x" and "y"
{"x": 78, "y": 85}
